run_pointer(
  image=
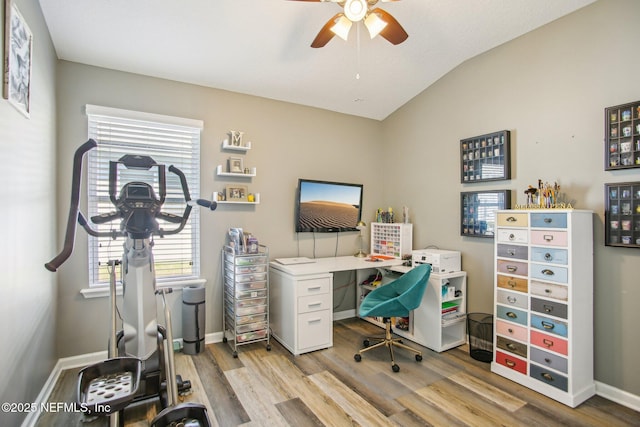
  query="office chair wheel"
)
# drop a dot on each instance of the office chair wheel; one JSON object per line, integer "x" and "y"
{"x": 366, "y": 343}
{"x": 395, "y": 368}
{"x": 418, "y": 358}
{"x": 357, "y": 357}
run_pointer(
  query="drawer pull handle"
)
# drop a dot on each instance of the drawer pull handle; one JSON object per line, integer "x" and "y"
{"x": 547, "y": 308}
{"x": 316, "y": 320}
{"x": 548, "y": 325}
{"x": 314, "y": 304}
{"x": 512, "y": 219}
{"x": 547, "y": 376}
{"x": 512, "y": 268}
{"x": 548, "y": 237}
{"x": 512, "y": 236}
{"x": 511, "y": 299}
{"x": 512, "y": 315}
{"x": 511, "y": 283}
{"x": 511, "y": 252}
{"x": 548, "y": 256}
{"x": 548, "y": 272}
{"x": 547, "y": 342}
{"x": 548, "y": 220}
{"x": 511, "y": 346}
{"x": 510, "y": 363}
{"x": 314, "y": 288}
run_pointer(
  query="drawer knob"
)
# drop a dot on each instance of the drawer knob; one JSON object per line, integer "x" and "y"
{"x": 548, "y": 220}
{"x": 510, "y": 330}
{"x": 511, "y": 252}
{"x": 511, "y": 299}
{"x": 548, "y": 291}
{"x": 512, "y": 236}
{"x": 548, "y": 256}
{"x": 511, "y": 283}
{"x": 547, "y": 272}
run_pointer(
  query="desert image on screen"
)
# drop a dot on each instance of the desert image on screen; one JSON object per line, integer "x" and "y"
{"x": 327, "y": 206}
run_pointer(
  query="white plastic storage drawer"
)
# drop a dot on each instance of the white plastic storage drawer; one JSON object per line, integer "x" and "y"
{"x": 549, "y": 220}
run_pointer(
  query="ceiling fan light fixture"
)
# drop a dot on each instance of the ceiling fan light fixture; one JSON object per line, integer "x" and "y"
{"x": 374, "y": 24}
{"x": 355, "y": 10}
{"x": 341, "y": 27}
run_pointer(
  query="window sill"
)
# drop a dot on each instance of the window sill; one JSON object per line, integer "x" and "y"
{"x": 103, "y": 291}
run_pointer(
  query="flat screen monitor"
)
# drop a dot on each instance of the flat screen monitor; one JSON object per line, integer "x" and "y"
{"x": 327, "y": 207}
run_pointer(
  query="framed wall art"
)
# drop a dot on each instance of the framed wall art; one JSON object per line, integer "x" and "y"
{"x": 485, "y": 157}
{"x": 478, "y": 211}
{"x": 622, "y": 214}
{"x": 236, "y": 193}
{"x": 18, "y": 46}
{"x": 622, "y": 136}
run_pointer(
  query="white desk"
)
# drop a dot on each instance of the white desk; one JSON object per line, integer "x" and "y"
{"x": 301, "y": 300}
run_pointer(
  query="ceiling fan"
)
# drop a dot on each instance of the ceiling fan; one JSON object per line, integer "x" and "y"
{"x": 377, "y": 21}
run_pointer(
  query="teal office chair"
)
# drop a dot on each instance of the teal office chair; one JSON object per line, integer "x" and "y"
{"x": 395, "y": 299}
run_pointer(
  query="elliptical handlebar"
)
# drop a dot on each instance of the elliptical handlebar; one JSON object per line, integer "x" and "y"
{"x": 74, "y": 208}
{"x": 76, "y": 215}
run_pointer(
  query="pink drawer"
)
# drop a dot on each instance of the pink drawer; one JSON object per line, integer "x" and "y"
{"x": 513, "y": 267}
{"x": 511, "y": 362}
{"x": 549, "y": 238}
{"x": 549, "y": 342}
{"x": 512, "y": 331}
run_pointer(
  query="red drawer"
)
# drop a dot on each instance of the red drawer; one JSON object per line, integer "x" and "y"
{"x": 549, "y": 342}
{"x": 511, "y": 362}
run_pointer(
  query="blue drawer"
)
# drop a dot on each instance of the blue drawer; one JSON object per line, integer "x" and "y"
{"x": 548, "y": 325}
{"x": 549, "y": 272}
{"x": 512, "y": 314}
{"x": 553, "y": 256}
{"x": 549, "y": 220}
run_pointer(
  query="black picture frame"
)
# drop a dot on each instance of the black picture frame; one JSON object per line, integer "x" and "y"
{"x": 622, "y": 136}
{"x": 622, "y": 214}
{"x": 478, "y": 211}
{"x": 485, "y": 157}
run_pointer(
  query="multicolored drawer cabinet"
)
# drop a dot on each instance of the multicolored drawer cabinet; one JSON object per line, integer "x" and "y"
{"x": 543, "y": 334}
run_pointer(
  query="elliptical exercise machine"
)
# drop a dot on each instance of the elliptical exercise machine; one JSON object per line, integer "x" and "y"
{"x": 140, "y": 364}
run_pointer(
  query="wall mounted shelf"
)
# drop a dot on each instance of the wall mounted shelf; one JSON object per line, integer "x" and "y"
{"x": 244, "y": 147}
{"x": 227, "y": 202}
{"x": 221, "y": 172}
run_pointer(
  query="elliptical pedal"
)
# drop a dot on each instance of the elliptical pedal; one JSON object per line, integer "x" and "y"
{"x": 109, "y": 386}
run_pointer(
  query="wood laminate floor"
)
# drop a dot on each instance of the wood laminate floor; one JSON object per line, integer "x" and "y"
{"x": 328, "y": 388}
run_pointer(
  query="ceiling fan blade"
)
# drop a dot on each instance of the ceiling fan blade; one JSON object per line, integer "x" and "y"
{"x": 393, "y": 32}
{"x": 325, "y": 34}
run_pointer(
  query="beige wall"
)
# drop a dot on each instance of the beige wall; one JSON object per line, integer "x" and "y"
{"x": 549, "y": 88}
{"x": 288, "y": 142}
{"x": 28, "y": 236}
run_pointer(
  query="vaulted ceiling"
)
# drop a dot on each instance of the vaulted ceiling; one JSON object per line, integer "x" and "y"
{"x": 262, "y": 47}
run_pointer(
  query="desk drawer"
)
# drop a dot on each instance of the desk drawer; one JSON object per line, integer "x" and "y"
{"x": 549, "y": 360}
{"x": 316, "y": 286}
{"x": 549, "y": 342}
{"x": 511, "y": 346}
{"x": 549, "y": 290}
{"x": 551, "y": 308}
{"x": 311, "y": 303}
{"x": 549, "y": 237}
{"x": 547, "y": 376}
{"x": 315, "y": 329}
{"x": 512, "y": 235}
{"x": 513, "y": 219}
{"x": 513, "y": 267}
{"x": 549, "y": 326}
{"x": 513, "y": 283}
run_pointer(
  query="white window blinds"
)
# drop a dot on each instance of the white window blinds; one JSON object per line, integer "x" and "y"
{"x": 169, "y": 141}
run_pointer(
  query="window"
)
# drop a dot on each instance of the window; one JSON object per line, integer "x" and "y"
{"x": 169, "y": 141}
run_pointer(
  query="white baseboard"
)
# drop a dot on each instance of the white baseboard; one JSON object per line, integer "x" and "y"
{"x": 621, "y": 397}
{"x": 346, "y": 314}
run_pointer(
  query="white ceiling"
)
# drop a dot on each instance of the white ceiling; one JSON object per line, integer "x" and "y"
{"x": 261, "y": 47}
